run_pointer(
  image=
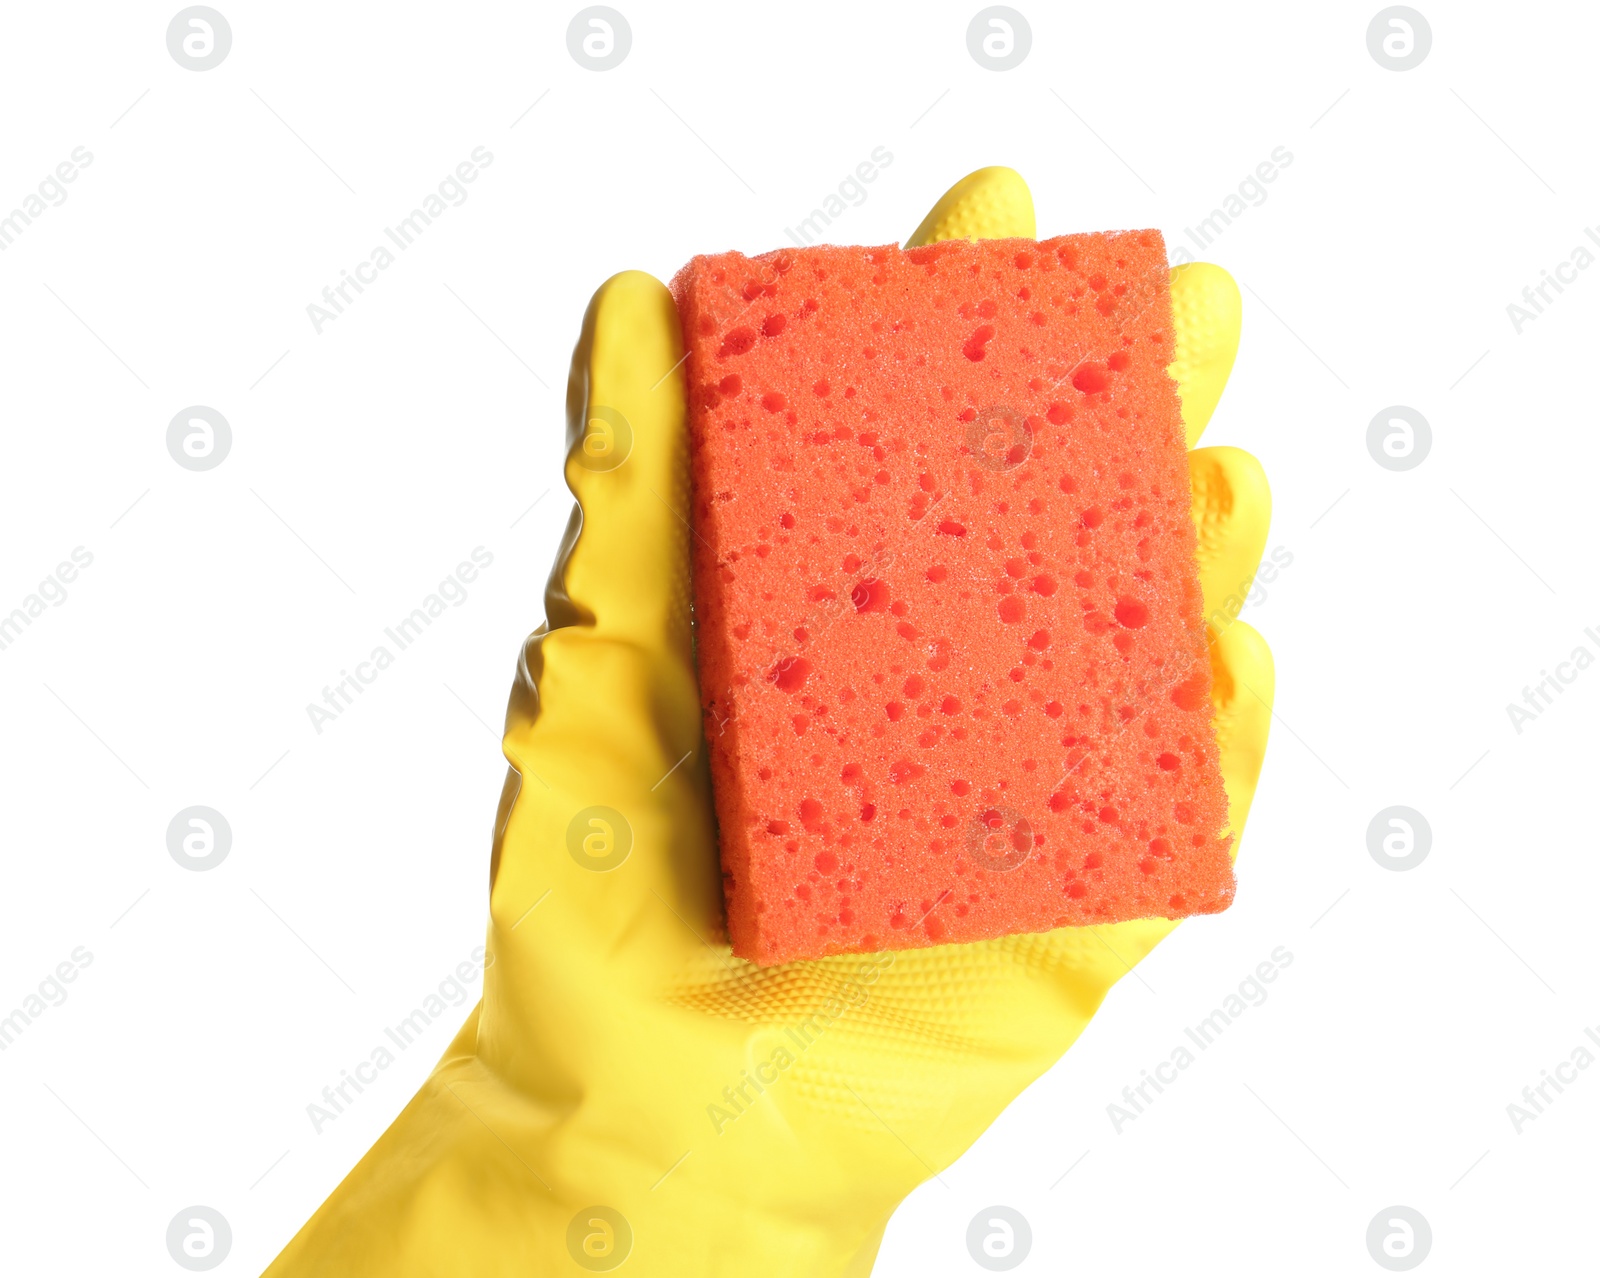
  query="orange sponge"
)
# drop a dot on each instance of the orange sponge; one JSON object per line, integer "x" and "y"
{"x": 951, "y": 654}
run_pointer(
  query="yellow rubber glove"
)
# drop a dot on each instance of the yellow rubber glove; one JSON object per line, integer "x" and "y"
{"x": 627, "y": 1091}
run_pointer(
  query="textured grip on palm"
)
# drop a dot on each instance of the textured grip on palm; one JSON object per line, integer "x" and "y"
{"x": 743, "y": 1120}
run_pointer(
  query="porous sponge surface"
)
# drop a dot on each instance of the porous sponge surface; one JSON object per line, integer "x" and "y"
{"x": 950, "y": 646}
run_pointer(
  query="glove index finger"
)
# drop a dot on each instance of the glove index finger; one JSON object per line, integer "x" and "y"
{"x": 603, "y": 729}
{"x": 626, "y": 573}
{"x": 1205, "y": 322}
{"x": 987, "y": 204}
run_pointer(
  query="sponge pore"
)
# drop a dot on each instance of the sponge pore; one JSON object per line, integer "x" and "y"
{"x": 952, "y": 662}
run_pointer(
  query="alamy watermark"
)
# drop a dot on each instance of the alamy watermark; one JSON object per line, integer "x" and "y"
{"x": 452, "y": 991}
{"x": 199, "y": 838}
{"x": 450, "y": 193}
{"x": 51, "y": 193}
{"x": 1539, "y": 697}
{"x": 450, "y": 593}
{"x": 198, "y": 38}
{"x": 1251, "y": 192}
{"x": 50, "y": 992}
{"x": 199, "y": 438}
{"x": 1398, "y": 38}
{"x": 1250, "y": 992}
{"x": 1399, "y": 438}
{"x": 1537, "y": 1097}
{"x": 1252, "y": 590}
{"x": 599, "y": 38}
{"x": 1399, "y": 838}
{"x": 999, "y": 1238}
{"x": 51, "y": 592}
{"x": 850, "y": 193}
{"x": 999, "y": 38}
{"x": 1536, "y": 297}
{"x": 199, "y": 1238}
{"x": 1399, "y": 1238}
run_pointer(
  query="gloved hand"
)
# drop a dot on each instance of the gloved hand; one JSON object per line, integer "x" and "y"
{"x": 627, "y": 1090}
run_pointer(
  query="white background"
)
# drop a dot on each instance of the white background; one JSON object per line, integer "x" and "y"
{"x": 370, "y": 459}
